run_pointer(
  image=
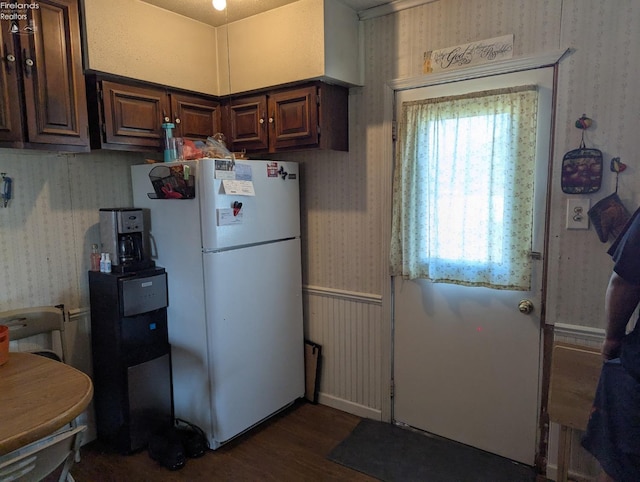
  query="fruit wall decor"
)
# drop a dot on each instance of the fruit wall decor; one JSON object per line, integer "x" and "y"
{"x": 582, "y": 167}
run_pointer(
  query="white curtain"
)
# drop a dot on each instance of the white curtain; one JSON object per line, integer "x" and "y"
{"x": 463, "y": 189}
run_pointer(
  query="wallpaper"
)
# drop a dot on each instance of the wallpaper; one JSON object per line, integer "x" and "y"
{"x": 598, "y": 78}
{"x": 47, "y": 229}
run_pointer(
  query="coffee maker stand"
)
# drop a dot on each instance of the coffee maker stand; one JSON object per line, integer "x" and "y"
{"x": 131, "y": 357}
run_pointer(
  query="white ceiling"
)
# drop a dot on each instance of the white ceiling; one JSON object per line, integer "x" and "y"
{"x": 203, "y": 11}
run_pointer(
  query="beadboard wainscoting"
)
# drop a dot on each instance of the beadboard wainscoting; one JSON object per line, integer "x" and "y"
{"x": 348, "y": 326}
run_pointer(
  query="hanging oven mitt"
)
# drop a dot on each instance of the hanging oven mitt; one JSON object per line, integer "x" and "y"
{"x": 609, "y": 216}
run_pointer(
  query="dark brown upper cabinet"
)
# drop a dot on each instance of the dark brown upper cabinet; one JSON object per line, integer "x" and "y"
{"x": 248, "y": 123}
{"x": 129, "y": 116}
{"x": 42, "y": 85}
{"x": 195, "y": 118}
{"x": 310, "y": 116}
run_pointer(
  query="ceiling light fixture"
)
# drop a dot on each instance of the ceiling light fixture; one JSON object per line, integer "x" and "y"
{"x": 219, "y": 5}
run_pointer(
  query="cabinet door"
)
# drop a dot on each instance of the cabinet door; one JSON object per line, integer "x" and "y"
{"x": 133, "y": 115}
{"x": 248, "y": 124}
{"x": 195, "y": 118}
{"x": 10, "y": 109}
{"x": 293, "y": 118}
{"x": 54, "y": 89}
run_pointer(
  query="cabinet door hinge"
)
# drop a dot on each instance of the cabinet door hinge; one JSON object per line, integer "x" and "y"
{"x": 394, "y": 130}
{"x": 392, "y": 388}
{"x": 318, "y": 99}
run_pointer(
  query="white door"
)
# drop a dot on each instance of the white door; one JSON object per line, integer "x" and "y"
{"x": 466, "y": 360}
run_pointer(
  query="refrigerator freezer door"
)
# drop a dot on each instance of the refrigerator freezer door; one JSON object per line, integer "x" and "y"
{"x": 273, "y": 213}
{"x": 255, "y": 334}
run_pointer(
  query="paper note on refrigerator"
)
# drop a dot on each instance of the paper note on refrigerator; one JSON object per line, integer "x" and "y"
{"x": 238, "y": 187}
{"x": 243, "y": 172}
{"x": 226, "y": 217}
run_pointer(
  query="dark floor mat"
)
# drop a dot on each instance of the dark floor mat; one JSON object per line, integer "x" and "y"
{"x": 394, "y": 454}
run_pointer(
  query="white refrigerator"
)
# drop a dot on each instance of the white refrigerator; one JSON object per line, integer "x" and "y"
{"x": 232, "y": 256}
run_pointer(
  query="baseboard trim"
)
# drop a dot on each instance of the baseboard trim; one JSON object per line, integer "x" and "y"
{"x": 349, "y": 407}
{"x": 552, "y": 474}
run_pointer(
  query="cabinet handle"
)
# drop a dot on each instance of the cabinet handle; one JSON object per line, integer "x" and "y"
{"x": 271, "y": 120}
{"x": 28, "y": 62}
{"x": 177, "y": 121}
{"x": 10, "y": 58}
{"x": 261, "y": 121}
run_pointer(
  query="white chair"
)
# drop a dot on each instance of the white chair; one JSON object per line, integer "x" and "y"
{"x": 28, "y": 322}
{"x": 35, "y": 461}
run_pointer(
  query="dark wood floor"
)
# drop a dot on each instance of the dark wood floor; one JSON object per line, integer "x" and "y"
{"x": 292, "y": 446}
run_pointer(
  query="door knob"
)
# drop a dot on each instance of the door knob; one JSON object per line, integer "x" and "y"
{"x": 525, "y": 306}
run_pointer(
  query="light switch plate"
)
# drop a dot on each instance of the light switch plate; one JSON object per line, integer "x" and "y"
{"x": 577, "y": 209}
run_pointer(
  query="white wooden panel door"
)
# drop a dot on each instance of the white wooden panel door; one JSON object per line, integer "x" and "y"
{"x": 466, "y": 360}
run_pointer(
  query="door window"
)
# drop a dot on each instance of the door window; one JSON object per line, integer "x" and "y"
{"x": 463, "y": 189}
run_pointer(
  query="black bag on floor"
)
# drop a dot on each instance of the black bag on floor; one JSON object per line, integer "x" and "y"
{"x": 166, "y": 449}
{"x": 173, "y": 446}
{"x": 194, "y": 441}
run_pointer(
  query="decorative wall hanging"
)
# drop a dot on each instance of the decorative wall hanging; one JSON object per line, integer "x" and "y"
{"x": 468, "y": 55}
{"x": 582, "y": 167}
{"x": 609, "y": 216}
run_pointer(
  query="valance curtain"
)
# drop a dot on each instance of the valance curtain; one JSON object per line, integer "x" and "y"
{"x": 463, "y": 189}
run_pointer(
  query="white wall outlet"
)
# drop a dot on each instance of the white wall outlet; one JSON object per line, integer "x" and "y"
{"x": 577, "y": 209}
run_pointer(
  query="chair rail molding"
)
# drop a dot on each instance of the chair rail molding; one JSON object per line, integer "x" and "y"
{"x": 343, "y": 294}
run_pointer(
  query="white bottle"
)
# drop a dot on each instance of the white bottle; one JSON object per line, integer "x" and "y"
{"x": 107, "y": 263}
{"x": 103, "y": 259}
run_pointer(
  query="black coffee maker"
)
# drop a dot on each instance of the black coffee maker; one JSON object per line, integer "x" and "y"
{"x": 123, "y": 236}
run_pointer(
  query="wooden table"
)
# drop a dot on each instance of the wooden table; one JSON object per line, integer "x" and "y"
{"x": 38, "y": 396}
